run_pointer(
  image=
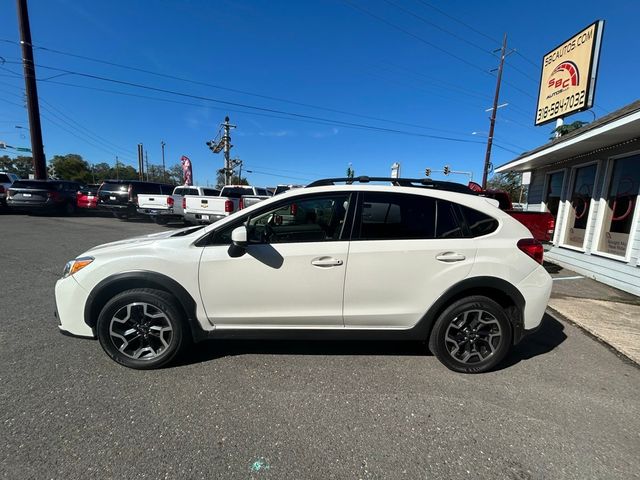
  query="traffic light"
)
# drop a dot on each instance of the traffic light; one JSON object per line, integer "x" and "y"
{"x": 446, "y": 170}
{"x": 427, "y": 172}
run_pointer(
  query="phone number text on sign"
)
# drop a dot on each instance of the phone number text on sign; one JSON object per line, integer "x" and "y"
{"x": 559, "y": 106}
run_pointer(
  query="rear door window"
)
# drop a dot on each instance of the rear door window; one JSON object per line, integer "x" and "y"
{"x": 209, "y": 192}
{"x": 447, "y": 223}
{"x": 394, "y": 216}
{"x": 4, "y": 178}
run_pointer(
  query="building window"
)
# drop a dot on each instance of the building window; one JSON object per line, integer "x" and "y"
{"x": 580, "y": 205}
{"x": 554, "y": 192}
{"x": 620, "y": 206}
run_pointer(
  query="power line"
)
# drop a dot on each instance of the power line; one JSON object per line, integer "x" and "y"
{"x": 220, "y": 87}
{"x": 435, "y": 25}
{"x": 413, "y": 35}
{"x": 89, "y": 133}
{"x": 252, "y": 107}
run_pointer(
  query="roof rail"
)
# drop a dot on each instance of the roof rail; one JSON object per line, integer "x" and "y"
{"x": 400, "y": 182}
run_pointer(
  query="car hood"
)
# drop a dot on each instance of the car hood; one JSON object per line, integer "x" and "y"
{"x": 143, "y": 239}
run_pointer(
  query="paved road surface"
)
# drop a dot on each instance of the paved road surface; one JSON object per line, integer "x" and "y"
{"x": 563, "y": 405}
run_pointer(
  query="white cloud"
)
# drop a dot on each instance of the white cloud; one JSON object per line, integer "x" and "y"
{"x": 276, "y": 133}
{"x": 330, "y": 133}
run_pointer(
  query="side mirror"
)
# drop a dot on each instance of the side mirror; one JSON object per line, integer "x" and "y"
{"x": 239, "y": 236}
{"x": 239, "y": 239}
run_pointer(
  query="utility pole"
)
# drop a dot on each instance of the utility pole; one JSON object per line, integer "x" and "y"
{"x": 226, "y": 139}
{"x": 117, "y": 168}
{"x": 146, "y": 163}
{"x": 37, "y": 149}
{"x": 487, "y": 158}
{"x": 140, "y": 162}
{"x": 164, "y": 171}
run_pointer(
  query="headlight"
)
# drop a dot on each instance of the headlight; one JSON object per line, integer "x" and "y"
{"x": 76, "y": 265}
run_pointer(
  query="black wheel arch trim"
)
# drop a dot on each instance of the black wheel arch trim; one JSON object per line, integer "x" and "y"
{"x": 475, "y": 286}
{"x": 103, "y": 291}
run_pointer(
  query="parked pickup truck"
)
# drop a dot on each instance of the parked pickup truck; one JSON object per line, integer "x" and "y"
{"x": 166, "y": 208}
{"x": 540, "y": 224}
{"x": 209, "y": 209}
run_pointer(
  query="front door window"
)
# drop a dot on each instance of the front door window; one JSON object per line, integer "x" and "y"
{"x": 620, "y": 207}
{"x": 580, "y": 205}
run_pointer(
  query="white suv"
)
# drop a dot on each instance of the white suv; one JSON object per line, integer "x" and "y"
{"x": 416, "y": 260}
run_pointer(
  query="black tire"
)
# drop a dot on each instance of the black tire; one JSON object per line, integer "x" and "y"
{"x": 69, "y": 208}
{"x": 155, "y": 344}
{"x": 474, "y": 343}
{"x": 121, "y": 216}
{"x": 160, "y": 220}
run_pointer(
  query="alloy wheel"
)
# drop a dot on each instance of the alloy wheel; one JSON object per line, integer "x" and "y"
{"x": 473, "y": 336}
{"x": 140, "y": 331}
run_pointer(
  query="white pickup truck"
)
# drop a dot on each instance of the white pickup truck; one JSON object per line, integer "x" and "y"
{"x": 166, "y": 208}
{"x": 209, "y": 209}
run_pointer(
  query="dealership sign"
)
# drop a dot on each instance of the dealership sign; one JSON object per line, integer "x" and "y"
{"x": 568, "y": 79}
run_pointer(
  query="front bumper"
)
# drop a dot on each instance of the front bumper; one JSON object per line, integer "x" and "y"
{"x": 70, "y": 301}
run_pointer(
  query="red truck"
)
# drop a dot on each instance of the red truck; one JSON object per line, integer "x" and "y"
{"x": 540, "y": 224}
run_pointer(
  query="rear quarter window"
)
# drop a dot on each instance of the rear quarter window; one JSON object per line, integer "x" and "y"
{"x": 478, "y": 223}
{"x": 4, "y": 178}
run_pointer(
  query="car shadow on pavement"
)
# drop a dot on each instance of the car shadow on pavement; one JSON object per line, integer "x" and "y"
{"x": 545, "y": 339}
{"x": 551, "y": 267}
{"x": 214, "y": 349}
{"x": 549, "y": 336}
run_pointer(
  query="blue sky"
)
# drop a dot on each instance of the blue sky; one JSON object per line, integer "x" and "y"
{"x": 407, "y": 67}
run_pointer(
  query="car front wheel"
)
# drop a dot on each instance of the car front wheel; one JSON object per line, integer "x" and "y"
{"x": 142, "y": 328}
{"x": 472, "y": 335}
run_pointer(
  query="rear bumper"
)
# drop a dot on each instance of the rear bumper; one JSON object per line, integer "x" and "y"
{"x": 168, "y": 213}
{"x": 198, "y": 217}
{"x": 47, "y": 205}
{"x": 536, "y": 289}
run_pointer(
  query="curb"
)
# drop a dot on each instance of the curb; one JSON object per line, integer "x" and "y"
{"x": 620, "y": 354}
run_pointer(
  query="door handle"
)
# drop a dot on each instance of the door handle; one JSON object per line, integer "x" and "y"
{"x": 450, "y": 257}
{"x": 326, "y": 262}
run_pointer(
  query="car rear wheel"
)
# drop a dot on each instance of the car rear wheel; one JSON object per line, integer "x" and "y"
{"x": 160, "y": 220}
{"x": 121, "y": 216}
{"x": 472, "y": 335}
{"x": 142, "y": 328}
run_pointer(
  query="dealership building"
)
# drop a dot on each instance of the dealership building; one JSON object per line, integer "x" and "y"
{"x": 589, "y": 179}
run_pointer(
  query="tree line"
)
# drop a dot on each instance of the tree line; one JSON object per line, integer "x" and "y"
{"x": 73, "y": 167}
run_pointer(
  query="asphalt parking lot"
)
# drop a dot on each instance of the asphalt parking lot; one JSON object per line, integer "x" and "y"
{"x": 562, "y": 405}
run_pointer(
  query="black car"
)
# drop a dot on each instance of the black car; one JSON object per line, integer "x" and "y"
{"x": 121, "y": 196}
{"x": 43, "y": 195}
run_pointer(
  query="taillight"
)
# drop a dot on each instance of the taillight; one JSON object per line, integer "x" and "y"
{"x": 533, "y": 248}
{"x": 551, "y": 226}
{"x": 1, "y": 188}
{"x": 228, "y": 206}
{"x": 241, "y": 204}
{"x": 184, "y": 203}
{"x": 170, "y": 201}
{"x": 132, "y": 197}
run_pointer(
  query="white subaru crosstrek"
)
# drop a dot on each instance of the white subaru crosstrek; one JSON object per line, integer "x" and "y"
{"x": 416, "y": 259}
